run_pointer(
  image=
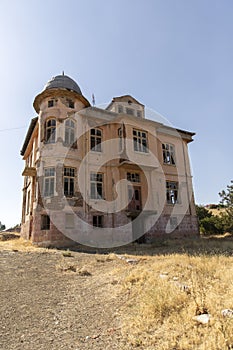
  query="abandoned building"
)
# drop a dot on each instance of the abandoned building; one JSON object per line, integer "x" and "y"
{"x": 103, "y": 176}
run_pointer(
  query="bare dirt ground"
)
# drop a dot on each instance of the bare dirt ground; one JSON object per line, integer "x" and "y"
{"x": 57, "y": 299}
{"x": 49, "y": 301}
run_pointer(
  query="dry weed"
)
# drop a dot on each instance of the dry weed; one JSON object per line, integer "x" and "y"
{"x": 160, "y": 316}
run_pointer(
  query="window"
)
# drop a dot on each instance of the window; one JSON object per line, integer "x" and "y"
{"x": 96, "y": 186}
{"x": 139, "y": 114}
{"x": 69, "y": 182}
{"x": 120, "y": 137}
{"x": 69, "y": 132}
{"x": 173, "y": 222}
{"x": 69, "y": 219}
{"x": 96, "y": 138}
{"x": 50, "y": 103}
{"x": 140, "y": 141}
{"x": 70, "y": 103}
{"x": 120, "y": 109}
{"x": 28, "y": 202}
{"x": 97, "y": 220}
{"x": 50, "y": 131}
{"x": 45, "y": 222}
{"x": 133, "y": 177}
{"x": 49, "y": 180}
{"x": 129, "y": 111}
{"x": 172, "y": 192}
{"x": 168, "y": 154}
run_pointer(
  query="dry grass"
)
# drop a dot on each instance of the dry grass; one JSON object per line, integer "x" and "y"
{"x": 171, "y": 283}
{"x": 165, "y": 293}
{"x": 217, "y": 212}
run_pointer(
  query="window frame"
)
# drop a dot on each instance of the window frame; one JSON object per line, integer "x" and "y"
{"x": 133, "y": 177}
{"x": 96, "y": 137}
{"x": 69, "y": 179}
{"x": 120, "y": 138}
{"x": 168, "y": 151}
{"x": 50, "y": 130}
{"x": 71, "y": 103}
{"x": 130, "y": 111}
{"x": 172, "y": 192}
{"x": 69, "y": 138}
{"x": 96, "y": 186}
{"x": 49, "y": 181}
{"x": 99, "y": 221}
{"x": 51, "y": 103}
{"x": 45, "y": 223}
{"x": 140, "y": 142}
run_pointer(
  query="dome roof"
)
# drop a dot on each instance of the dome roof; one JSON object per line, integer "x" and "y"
{"x": 63, "y": 82}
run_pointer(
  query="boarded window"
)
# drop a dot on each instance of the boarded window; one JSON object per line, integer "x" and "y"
{"x": 45, "y": 222}
{"x": 69, "y": 220}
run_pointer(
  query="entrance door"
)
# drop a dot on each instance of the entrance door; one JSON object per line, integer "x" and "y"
{"x": 135, "y": 203}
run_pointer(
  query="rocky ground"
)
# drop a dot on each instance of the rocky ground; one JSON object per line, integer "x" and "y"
{"x": 52, "y": 301}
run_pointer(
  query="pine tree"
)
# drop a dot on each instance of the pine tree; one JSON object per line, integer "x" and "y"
{"x": 227, "y": 202}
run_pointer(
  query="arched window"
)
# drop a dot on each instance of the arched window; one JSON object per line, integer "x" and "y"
{"x": 50, "y": 131}
{"x": 69, "y": 132}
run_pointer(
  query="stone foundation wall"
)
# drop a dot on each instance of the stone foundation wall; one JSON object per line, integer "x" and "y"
{"x": 188, "y": 227}
{"x": 84, "y": 233}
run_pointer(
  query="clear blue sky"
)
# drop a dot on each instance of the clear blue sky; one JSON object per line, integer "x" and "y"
{"x": 175, "y": 56}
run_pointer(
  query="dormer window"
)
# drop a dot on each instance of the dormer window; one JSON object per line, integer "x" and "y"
{"x": 120, "y": 109}
{"x": 139, "y": 114}
{"x": 50, "y": 103}
{"x": 129, "y": 111}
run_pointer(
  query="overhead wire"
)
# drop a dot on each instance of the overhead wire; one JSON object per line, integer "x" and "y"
{"x": 9, "y": 129}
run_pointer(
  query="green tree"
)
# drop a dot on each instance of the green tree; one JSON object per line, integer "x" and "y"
{"x": 227, "y": 202}
{"x": 209, "y": 223}
{"x": 202, "y": 212}
{"x": 2, "y": 227}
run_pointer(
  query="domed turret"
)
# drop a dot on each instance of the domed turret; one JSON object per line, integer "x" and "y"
{"x": 60, "y": 85}
{"x": 63, "y": 82}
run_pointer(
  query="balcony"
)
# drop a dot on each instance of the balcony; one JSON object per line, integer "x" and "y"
{"x": 29, "y": 171}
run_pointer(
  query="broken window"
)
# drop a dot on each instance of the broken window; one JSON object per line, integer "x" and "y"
{"x": 96, "y": 185}
{"x": 120, "y": 137}
{"x": 168, "y": 154}
{"x": 129, "y": 111}
{"x": 133, "y": 177}
{"x": 50, "y": 131}
{"x": 70, "y": 103}
{"x": 97, "y": 220}
{"x": 28, "y": 202}
{"x": 69, "y": 174}
{"x": 69, "y": 132}
{"x": 50, "y": 103}
{"x": 140, "y": 141}
{"x": 172, "y": 192}
{"x": 96, "y": 139}
{"x": 120, "y": 109}
{"x": 139, "y": 114}
{"x": 49, "y": 181}
{"x": 45, "y": 222}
